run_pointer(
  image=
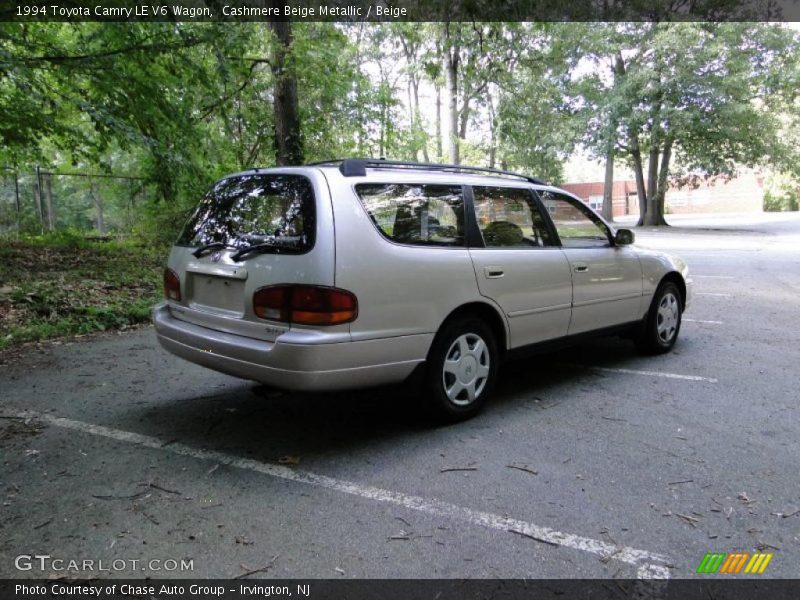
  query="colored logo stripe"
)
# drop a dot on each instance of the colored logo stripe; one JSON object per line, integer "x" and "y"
{"x": 711, "y": 562}
{"x": 733, "y": 563}
{"x": 758, "y": 563}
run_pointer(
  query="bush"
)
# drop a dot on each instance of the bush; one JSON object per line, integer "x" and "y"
{"x": 780, "y": 201}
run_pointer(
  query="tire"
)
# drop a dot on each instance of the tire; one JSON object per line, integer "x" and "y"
{"x": 461, "y": 369}
{"x": 663, "y": 323}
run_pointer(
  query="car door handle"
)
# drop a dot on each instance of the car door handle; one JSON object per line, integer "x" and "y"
{"x": 493, "y": 272}
{"x": 581, "y": 268}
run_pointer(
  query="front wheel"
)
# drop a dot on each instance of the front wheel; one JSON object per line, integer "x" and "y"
{"x": 663, "y": 321}
{"x": 462, "y": 367}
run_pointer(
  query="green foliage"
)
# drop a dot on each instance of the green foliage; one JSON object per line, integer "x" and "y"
{"x": 63, "y": 284}
{"x": 534, "y": 124}
{"x": 781, "y": 193}
{"x": 182, "y": 104}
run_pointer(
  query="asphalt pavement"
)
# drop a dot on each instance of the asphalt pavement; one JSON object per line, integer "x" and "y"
{"x": 592, "y": 462}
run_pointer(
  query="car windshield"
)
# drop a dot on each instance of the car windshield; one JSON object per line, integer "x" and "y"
{"x": 258, "y": 209}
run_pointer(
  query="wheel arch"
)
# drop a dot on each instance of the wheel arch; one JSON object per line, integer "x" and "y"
{"x": 487, "y": 313}
{"x": 677, "y": 279}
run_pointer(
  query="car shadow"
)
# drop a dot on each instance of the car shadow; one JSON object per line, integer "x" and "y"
{"x": 247, "y": 419}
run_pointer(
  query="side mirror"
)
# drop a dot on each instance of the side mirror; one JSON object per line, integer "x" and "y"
{"x": 623, "y": 237}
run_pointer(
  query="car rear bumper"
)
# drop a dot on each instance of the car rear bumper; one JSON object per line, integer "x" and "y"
{"x": 292, "y": 366}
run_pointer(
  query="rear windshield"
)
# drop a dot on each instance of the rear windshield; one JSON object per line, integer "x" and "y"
{"x": 255, "y": 209}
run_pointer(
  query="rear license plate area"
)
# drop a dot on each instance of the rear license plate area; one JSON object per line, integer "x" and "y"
{"x": 217, "y": 293}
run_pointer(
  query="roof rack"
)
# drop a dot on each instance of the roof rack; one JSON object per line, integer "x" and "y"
{"x": 357, "y": 167}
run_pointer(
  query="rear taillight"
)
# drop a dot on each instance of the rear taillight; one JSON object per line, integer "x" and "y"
{"x": 305, "y": 304}
{"x": 172, "y": 285}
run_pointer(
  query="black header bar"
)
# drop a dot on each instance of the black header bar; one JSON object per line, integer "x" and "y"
{"x": 398, "y": 10}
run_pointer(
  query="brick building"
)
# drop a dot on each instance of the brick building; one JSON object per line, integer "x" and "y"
{"x": 743, "y": 193}
{"x": 624, "y": 200}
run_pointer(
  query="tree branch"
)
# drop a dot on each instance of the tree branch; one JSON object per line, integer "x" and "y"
{"x": 164, "y": 47}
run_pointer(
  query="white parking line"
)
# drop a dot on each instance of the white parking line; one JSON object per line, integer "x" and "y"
{"x": 651, "y": 373}
{"x": 647, "y": 563}
{"x": 702, "y": 321}
{"x": 713, "y": 294}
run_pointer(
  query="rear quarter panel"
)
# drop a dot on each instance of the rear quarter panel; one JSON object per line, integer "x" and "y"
{"x": 401, "y": 289}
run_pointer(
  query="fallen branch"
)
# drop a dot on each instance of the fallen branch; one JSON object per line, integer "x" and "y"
{"x": 523, "y": 468}
{"x": 163, "y": 489}
{"x": 688, "y": 519}
{"x": 533, "y": 537}
{"x": 261, "y": 570}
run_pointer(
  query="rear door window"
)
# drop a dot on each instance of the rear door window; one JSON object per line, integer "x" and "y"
{"x": 274, "y": 210}
{"x": 428, "y": 215}
{"x": 509, "y": 218}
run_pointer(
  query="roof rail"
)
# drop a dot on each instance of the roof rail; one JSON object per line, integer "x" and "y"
{"x": 357, "y": 167}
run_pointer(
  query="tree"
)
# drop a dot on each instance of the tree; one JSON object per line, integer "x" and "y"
{"x": 474, "y": 55}
{"x": 91, "y": 89}
{"x": 695, "y": 94}
{"x": 288, "y": 135}
{"x": 535, "y": 124}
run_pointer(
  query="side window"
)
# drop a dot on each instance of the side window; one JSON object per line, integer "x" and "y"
{"x": 576, "y": 226}
{"x": 430, "y": 215}
{"x": 509, "y": 217}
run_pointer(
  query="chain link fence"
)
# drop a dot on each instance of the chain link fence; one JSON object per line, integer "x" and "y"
{"x": 90, "y": 203}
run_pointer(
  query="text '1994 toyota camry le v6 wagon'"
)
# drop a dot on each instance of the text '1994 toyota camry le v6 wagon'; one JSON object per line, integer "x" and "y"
{"x": 357, "y": 273}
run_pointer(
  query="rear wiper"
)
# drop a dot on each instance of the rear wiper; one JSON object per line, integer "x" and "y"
{"x": 278, "y": 244}
{"x": 203, "y": 249}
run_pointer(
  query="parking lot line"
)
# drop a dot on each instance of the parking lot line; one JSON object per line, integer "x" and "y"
{"x": 649, "y": 565}
{"x": 650, "y": 373}
{"x": 702, "y": 321}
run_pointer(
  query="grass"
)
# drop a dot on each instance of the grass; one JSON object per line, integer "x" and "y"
{"x": 62, "y": 284}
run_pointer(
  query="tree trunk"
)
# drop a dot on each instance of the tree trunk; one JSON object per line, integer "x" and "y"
{"x": 37, "y": 196}
{"x": 651, "y": 213}
{"x": 492, "y": 132}
{"x": 382, "y": 133}
{"x": 439, "y": 151}
{"x": 17, "y": 202}
{"x": 661, "y": 190}
{"x": 451, "y": 60}
{"x": 463, "y": 119}
{"x": 638, "y": 173}
{"x": 100, "y": 223}
{"x": 608, "y": 188}
{"x": 415, "y": 87}
{"x": 288, "y": 137}
{"x": 48, "y": 202}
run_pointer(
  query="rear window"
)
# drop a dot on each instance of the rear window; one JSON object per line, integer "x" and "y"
{"x": 255, "y": 209}
{"x": 429, "y": 215}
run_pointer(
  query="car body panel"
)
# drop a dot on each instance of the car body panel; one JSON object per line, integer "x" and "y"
{"x": 606, "y": 287}
{"x": 533, "y": 287}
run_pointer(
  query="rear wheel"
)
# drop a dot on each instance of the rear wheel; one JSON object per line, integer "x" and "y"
{"x": 462, "y": 367}
{"x": 663, "y": 321}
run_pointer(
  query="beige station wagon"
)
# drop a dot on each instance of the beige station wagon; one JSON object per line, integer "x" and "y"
{"x": 356, "y": 273}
